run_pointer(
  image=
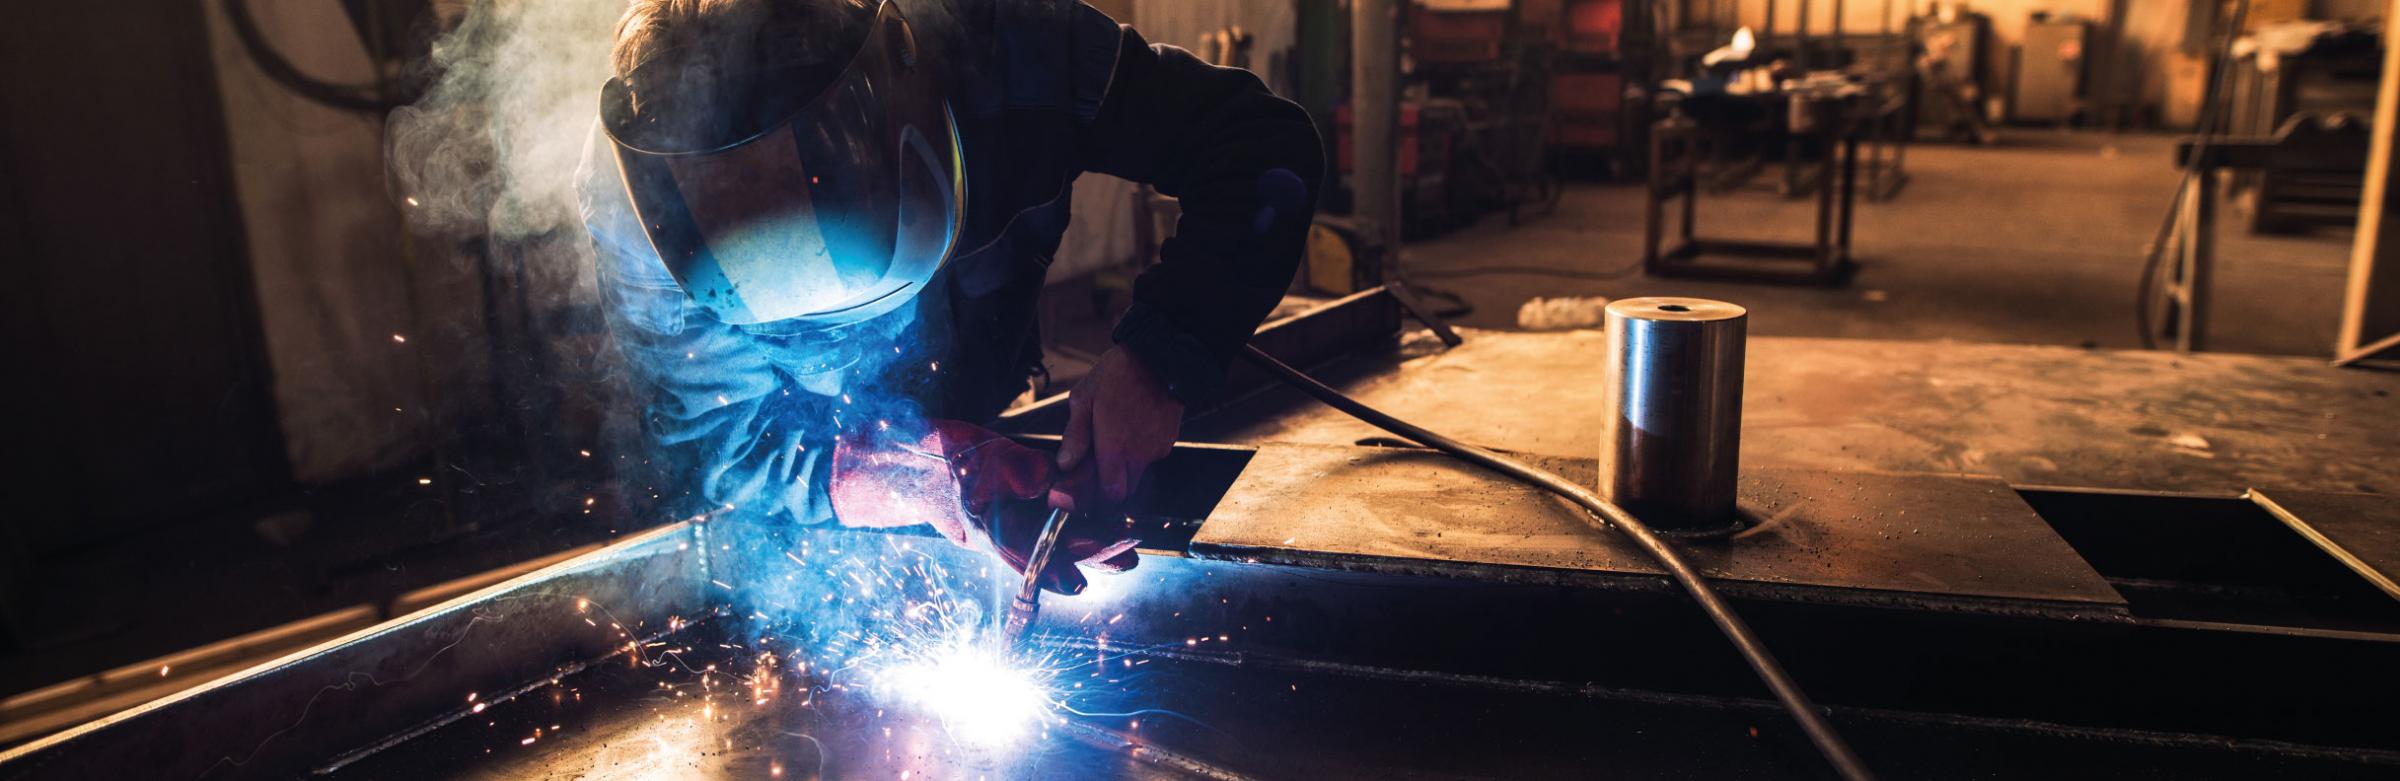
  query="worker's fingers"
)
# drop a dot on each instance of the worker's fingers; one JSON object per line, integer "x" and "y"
{"x": 1115, "y": 456}
{"x": 1112, "y": 476}
{"x": 1025, "y": 473}
{"x": 1075, "y": 443}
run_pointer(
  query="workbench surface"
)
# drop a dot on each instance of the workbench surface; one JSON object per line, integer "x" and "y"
{"x": 2030, "y": 415}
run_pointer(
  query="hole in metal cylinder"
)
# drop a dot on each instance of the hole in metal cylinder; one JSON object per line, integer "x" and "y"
{"x": 1673, "y": 308}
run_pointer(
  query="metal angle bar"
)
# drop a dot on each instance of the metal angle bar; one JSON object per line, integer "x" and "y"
{"x": 284, "y": 717}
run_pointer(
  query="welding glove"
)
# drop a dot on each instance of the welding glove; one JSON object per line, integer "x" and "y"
{"x": 976, "y": 487}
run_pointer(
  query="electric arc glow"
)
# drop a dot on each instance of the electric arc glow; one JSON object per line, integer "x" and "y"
{"x": 978, "y": 693}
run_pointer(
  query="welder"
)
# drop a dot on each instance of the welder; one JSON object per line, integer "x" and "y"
{"x": 822, "y": 227}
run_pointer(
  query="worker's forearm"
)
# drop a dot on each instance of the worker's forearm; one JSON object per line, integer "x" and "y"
{"x": 1247, "y": 167}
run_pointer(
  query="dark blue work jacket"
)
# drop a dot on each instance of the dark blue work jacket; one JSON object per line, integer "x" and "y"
{"x": 744, "y": 417}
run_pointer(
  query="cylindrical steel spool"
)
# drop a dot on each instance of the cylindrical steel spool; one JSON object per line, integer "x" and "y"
{"x": 1673, "y": 391}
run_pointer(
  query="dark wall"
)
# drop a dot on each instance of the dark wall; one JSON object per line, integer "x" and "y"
{"x": 131, "y": 318}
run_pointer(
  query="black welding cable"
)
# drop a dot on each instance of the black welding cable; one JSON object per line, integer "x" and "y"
{"x": 1811, "y": 718}
{"x": 364, "y": 98}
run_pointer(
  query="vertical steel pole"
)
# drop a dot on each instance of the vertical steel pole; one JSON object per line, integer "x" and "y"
{"x": 1375, "y": 124}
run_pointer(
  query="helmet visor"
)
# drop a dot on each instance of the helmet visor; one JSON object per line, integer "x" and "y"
{"x": 837, "y": 211}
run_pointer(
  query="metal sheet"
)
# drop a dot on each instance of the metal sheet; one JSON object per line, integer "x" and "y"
{"x": 1268, "y": 719}
{"x": 2361, "y": 530}
{"x": 670, "y": 722}
{"x": 283, "y": 718}
{"x": 1960, "y": 543}
{"x": 1296, "y": 672}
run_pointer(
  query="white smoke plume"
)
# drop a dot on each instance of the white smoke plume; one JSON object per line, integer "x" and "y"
{"x": 484, "y": 166}
{"x": 492, "y": 148}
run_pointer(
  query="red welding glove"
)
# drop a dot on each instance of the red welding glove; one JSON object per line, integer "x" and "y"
{"x": 976, "y": 487}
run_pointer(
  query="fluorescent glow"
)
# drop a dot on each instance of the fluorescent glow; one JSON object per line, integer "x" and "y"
{"x": 977, "y": 692}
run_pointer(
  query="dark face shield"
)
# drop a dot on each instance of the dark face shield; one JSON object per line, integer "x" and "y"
{"x": 773, "y": 196}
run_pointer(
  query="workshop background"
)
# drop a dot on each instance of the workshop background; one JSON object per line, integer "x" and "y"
{"x": 275, "y": 387}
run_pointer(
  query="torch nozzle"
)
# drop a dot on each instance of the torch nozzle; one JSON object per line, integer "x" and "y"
{"x": 1028, "y": 602}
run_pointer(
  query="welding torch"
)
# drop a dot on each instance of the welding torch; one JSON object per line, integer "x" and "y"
{"x": 1028, "y": 603}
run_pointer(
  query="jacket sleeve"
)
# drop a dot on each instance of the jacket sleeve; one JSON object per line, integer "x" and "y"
{"x": 1247, "y": 167}
{"x": 750, "y": 441}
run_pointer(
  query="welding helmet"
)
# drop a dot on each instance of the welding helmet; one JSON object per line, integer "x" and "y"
{"x": 816, "y": 191}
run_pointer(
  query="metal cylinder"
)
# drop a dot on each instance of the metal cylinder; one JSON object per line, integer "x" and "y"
{"x": 1673, "y": 388}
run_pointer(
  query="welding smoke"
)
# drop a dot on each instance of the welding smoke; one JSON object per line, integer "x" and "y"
{"x": 483, "y": 167}
{"x": 492, "y": 147}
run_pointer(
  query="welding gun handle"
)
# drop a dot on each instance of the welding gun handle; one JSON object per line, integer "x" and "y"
{"x": 1045, "y": 543}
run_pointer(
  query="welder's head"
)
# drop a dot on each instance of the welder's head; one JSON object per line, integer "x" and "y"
{"x": 791, "y": 160}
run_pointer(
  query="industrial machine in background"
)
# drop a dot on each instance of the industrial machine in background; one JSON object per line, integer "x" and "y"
{"x": 2308, "y": 170}
{"x": 1601, "y": 53}
{"x": 1957, "y": 52}
{"x": 2326, "y": 76}
{"x": 2048, "y": 85}
{"x": 1499, "y": 96}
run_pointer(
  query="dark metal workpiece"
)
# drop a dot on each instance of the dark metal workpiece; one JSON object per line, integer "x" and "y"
{"x": 2362, "y": 531}
{"x": 1604, "y": 515}
{"x": 1423, "y": 314}
{"x": 287, "y": 717}
{"x": 1939, "y": 543}
{"x": 1362, "y": 674}
{"x": 1671, "y": 386}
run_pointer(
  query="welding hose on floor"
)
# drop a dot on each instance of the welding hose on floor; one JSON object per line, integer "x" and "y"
{"x": 1811, "y": 718}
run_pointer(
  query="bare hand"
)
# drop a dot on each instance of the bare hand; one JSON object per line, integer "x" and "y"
{"x": 1121, "y": 419}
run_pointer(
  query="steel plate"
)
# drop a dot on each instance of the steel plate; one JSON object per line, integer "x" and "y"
{"x": 2361, "y": 530}
{"x": 1939, "y": 542}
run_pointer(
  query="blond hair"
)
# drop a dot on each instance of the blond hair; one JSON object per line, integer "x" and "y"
{"x": 724, "y": 32}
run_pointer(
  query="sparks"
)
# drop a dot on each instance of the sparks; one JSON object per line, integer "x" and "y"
{"x": 976, "y": 691}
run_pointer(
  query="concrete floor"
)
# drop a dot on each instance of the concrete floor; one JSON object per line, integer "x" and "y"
{"x": 2036, "y": 241}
